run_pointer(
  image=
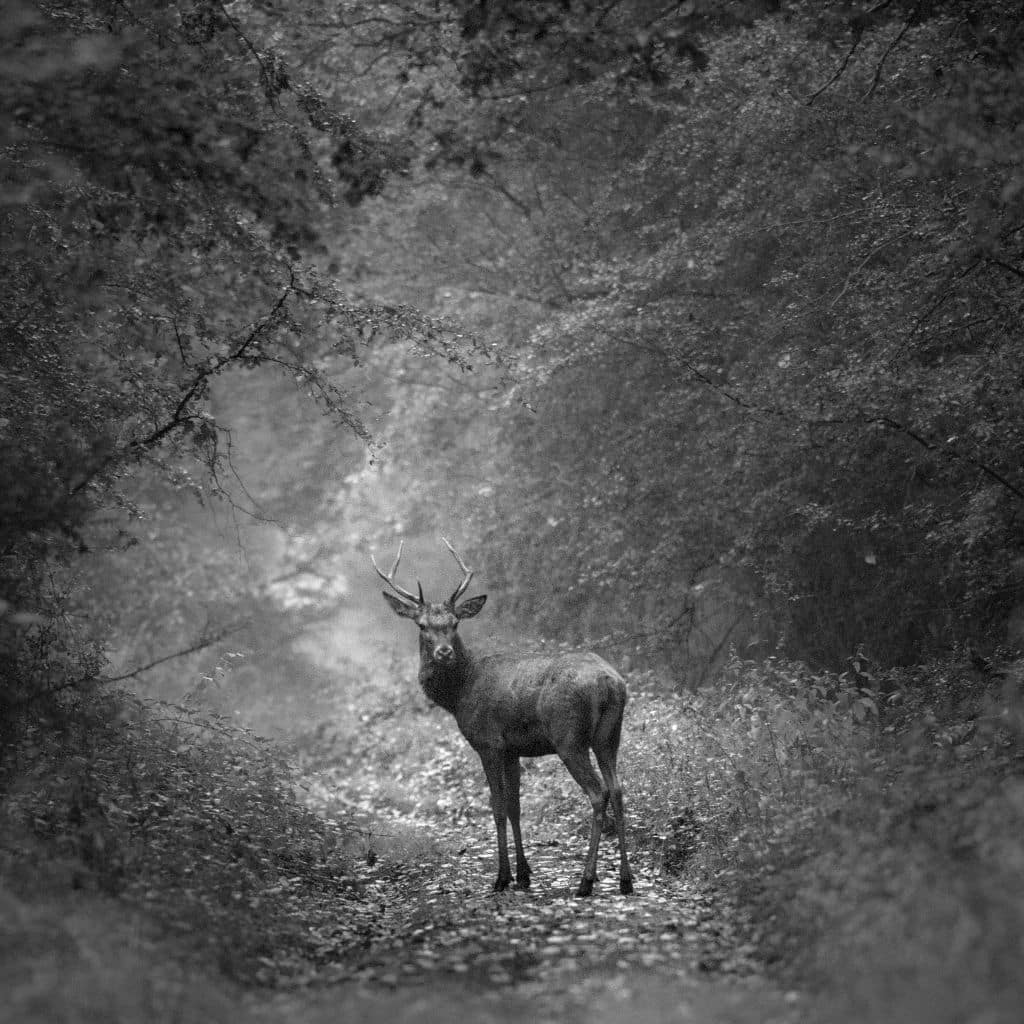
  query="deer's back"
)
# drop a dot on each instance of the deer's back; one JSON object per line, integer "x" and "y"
{"x": 534, "y": 705}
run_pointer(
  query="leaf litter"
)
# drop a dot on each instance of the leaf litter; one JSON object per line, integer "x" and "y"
{"x": 420, "y": 913}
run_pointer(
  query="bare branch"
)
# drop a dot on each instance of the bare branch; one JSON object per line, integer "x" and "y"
{"x": 838, "y": 73}
{"x": 182, "y": 413}
{"x": 201, "y": 644}
{"x": 863, "y": 263}
{"x": 73, "y": 684}
{"x": 995, "y": 261}
{"x": 892, "y": 46}
{"x": 858, "y": 26}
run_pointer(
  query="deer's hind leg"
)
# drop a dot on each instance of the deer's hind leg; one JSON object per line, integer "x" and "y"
{"x": 578, "y": 762}
{"x": 606, "y": 750}
{"x": 605, "y": 743}
{"x": 511, "y": 775}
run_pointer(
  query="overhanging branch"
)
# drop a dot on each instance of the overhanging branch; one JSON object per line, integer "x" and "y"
{"x": 73, "y": 684}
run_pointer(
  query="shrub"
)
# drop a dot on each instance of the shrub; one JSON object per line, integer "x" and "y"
{"x": 870, "y": 824}
{"x": 180, "y": 812}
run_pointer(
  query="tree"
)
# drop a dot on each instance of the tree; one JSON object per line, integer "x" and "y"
{"x": 775, "y": 347}
{"x": 165, "y": 177}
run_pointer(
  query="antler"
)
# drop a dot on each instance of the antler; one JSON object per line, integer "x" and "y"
{"x": 466, "y": 577}
{"x": 389, "y": 578}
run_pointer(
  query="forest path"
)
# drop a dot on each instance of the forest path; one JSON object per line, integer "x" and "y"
{"x": 428, "y": 941}
{"x": 425, "y": 938}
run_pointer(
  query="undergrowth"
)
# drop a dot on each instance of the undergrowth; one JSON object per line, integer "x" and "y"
{"x": 867, "y": 827}
{"x": 871, "y": 824}
{"x": 177, "y": 811}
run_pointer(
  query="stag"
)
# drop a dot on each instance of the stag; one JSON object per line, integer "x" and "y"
{"x": 513, "y": 706}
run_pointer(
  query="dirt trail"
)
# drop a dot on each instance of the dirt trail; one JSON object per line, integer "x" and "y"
{"x": 427, "y": 939}
{"x": 438, "y": 945}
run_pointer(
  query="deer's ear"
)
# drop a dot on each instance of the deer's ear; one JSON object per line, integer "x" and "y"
{"x": 399, "y": 607}
{"x": 469, "y": 608}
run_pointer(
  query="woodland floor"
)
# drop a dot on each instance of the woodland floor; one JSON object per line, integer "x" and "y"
{"x": 424, "y": 935}
{"x": 422, "y": 925}
{"x": 411, "y": 933}
{"x": 427, "y": 937}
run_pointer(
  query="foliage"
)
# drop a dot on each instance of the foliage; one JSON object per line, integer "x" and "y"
{"x": 183, "y": 814}
{"x": 764, "y": 315}
{"x": 869, "y": 823}
{"x": 858, "y": 832}
{"x": 165, "y": 182}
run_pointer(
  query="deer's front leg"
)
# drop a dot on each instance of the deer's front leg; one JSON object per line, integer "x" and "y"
{"x": 494, "y": 770}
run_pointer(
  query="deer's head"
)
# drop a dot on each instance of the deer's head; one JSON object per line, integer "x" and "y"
{"x": 437, "y": 622}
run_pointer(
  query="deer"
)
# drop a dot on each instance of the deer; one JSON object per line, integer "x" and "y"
{"x": 509, "y": 706}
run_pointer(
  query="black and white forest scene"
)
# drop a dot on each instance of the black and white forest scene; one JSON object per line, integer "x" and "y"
{"x": 512, "y": 510}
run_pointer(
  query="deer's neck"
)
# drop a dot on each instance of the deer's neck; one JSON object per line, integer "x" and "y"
{"x": 447, "y": 684}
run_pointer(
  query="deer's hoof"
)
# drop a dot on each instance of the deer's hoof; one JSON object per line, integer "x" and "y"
{"x": 523, "y": 883}
{"x": 626, "y": 886}
{"x": 501, "y": 884}
{"x": 586, "y": 887}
